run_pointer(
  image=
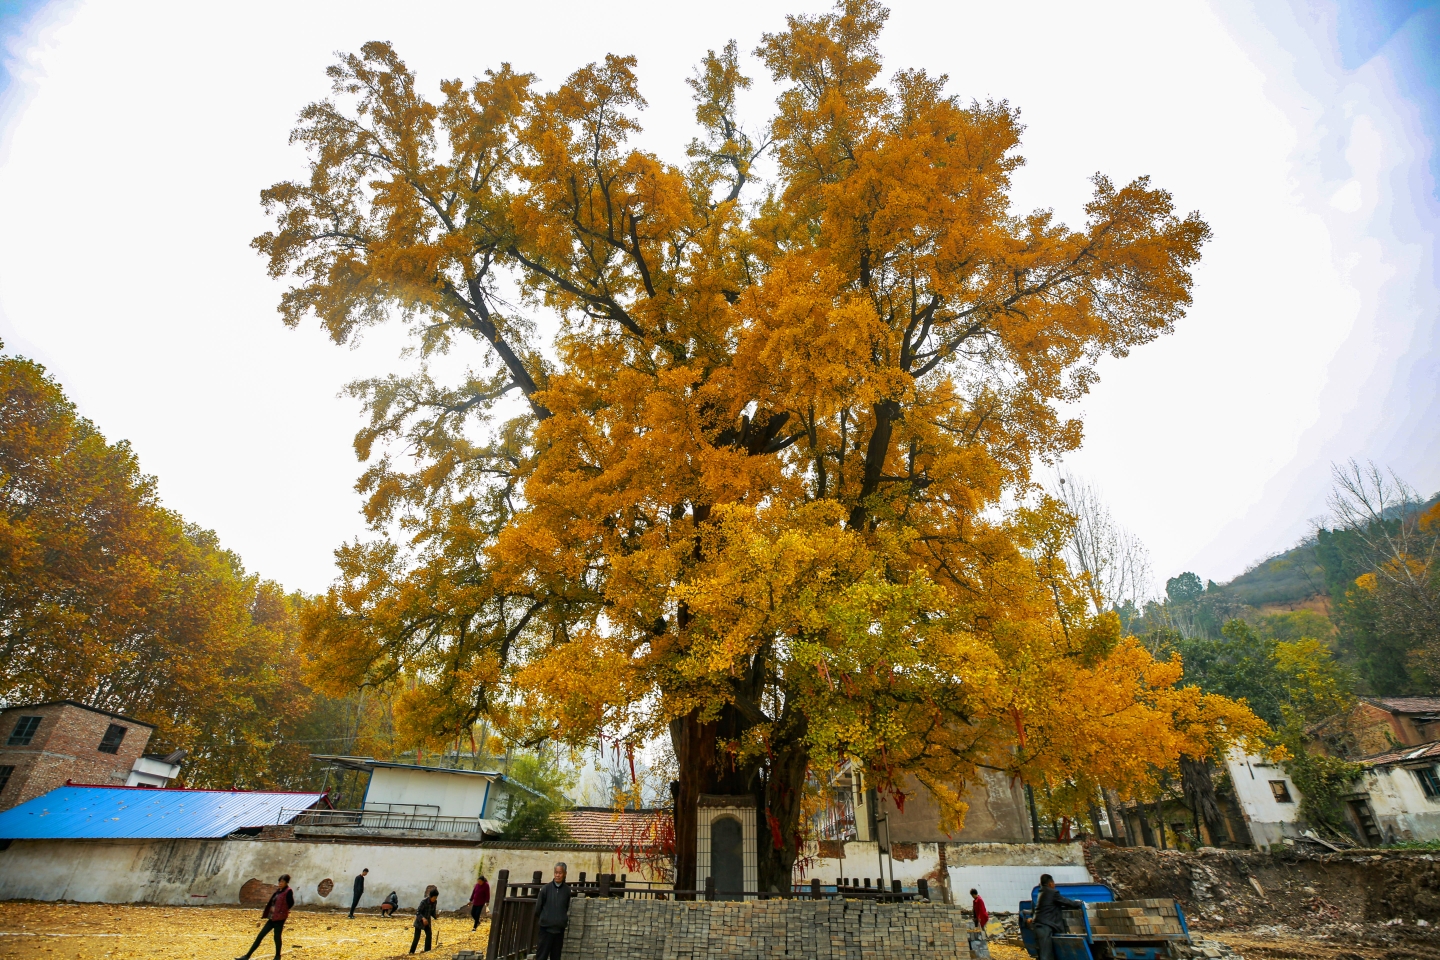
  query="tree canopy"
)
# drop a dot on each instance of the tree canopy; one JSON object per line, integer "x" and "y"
{"x": 768, "y": 488}
{"x": 110, "y": 599}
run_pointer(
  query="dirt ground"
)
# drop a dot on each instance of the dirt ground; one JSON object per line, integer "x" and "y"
{"x": 53, "y": 931}
{"x": 107, "y": 932}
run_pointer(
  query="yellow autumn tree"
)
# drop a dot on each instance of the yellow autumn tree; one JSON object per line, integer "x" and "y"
{"x": 768, "y": 490}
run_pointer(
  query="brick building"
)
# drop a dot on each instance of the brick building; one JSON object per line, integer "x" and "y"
{"x": 43, "y": 745}
{"x": 1376, "y": 725}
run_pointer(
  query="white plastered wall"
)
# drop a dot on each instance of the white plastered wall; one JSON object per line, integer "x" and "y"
{"x": 1401, "y": 809}
{"x": 456, "y": 794}
{"x": 210, "y": 872}
{"x": 1000, "y": 871}
{"x": 1269, "y": 820}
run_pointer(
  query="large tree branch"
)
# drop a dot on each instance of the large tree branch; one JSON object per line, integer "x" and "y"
{"x": 886, "y": 413}
{"x": 483, "y": 322}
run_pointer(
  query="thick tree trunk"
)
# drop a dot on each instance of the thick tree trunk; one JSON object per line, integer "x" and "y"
{"x": 702, "y": 771}
{"x": 778, "y": 816}
{"x": 1199, "y": 789}
{"x": 1118, "y": 831}
{"x": 777, "y": 789}
{"x": 1147, "y": 836}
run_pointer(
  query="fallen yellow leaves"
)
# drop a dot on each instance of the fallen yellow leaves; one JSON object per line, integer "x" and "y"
{"x": 98, "y": 931}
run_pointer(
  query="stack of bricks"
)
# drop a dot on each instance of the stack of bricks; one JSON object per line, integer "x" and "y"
{"x": 812, "y": 929}
{"x": 1135, "y": 918}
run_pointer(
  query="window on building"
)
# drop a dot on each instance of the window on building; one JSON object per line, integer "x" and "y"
{"x": 110, "y": 743}
{"x": 24, "y": 732}
{"x": 1429, "y": 782}
{"x": 5, "y": 777}
{"x": 1281, "y": 790}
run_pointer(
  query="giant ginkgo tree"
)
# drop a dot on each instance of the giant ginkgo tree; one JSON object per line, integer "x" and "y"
{"x": 767, "y": 490}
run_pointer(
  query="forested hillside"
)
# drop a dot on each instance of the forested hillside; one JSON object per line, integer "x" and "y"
{"x": 1366, "y": 584}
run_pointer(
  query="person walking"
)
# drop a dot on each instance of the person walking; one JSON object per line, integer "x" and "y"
{"x": 1048, "y": 919}
{"x": 552, "y": 910}
{"x": 479, "y": 897}
{"x": 425, "y": 917}
{"x": 276, "y": 912}
{"x": 359, "y": 891}
{"x": 982, "y": 916}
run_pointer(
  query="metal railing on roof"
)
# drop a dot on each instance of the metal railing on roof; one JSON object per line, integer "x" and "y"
{"x": 379, "y": 820}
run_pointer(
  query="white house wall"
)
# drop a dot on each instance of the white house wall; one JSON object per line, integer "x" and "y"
{"x": 203, "y": 872}
{"x": 1269, "y": 820}
{"x": 456, "y": 794}
{"x": 200, "y": 872}
{"x": 1402, "y": 811}
{"x": 1000, "y": 871}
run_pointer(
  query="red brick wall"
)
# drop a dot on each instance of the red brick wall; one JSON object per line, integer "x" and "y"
{"x": 66, "y": 747}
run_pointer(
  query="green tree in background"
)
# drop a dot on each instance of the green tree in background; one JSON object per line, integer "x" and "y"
{"x": 1186, "y": 588}
{"x": 1382, "y": 570}
{"x": 1290, "y": 684}
{"x": 537, "y": 822}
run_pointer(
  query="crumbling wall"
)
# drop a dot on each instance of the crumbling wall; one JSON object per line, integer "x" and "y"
{"x": 206, "y": 872}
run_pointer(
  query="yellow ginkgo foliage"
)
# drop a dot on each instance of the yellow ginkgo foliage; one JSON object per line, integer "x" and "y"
{"x": 764, "y": 489}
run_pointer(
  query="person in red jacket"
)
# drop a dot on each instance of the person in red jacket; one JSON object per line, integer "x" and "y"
{"x": 982, "y": 916}
{"x": 479, "y": 897}
{"x": 276, "y": 912}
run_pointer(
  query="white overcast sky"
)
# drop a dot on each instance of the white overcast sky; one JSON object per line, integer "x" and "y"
{"x": 134, "y": 138}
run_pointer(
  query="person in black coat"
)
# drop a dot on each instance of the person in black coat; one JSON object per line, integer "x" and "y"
{"x": 425, "y": 917}
{"x": 359, "y": 891}
{"x": 1048, "y": 920}
{"x": 552, "y": 911}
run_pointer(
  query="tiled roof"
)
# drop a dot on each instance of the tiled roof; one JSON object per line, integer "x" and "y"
{"x": 1423, "y": 752}
{"x": 1407, "y": 704}
{"x": 601, "y": 825}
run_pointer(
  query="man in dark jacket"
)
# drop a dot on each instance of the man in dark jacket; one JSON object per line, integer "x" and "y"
{"x": 1048, "y": 920}
{"x": 553, "y": 910}
{"x": 359, "y": 891}
{"x": 425, "y": 917}
{"x": 276, "y": 912}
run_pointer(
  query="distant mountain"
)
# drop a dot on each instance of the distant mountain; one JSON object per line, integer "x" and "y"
{"x": 1286, "y": 578}
{"x": 1291, "y": 577}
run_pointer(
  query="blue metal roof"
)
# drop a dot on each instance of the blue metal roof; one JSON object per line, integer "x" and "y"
{"x": 139, "y": 813}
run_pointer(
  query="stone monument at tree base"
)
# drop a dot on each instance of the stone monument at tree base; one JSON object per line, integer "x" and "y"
{"x": 725, "y": 845}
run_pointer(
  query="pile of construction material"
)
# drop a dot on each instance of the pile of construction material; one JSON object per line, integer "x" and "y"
{"x": 1203, "y": 949}
{"x": 1135, "y": 919}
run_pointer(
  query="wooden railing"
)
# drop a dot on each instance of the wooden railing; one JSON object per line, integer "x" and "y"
{"x": 515, "y": 929}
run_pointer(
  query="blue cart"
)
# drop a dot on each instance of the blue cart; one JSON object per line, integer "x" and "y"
{"x": 1074, "y": 945}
